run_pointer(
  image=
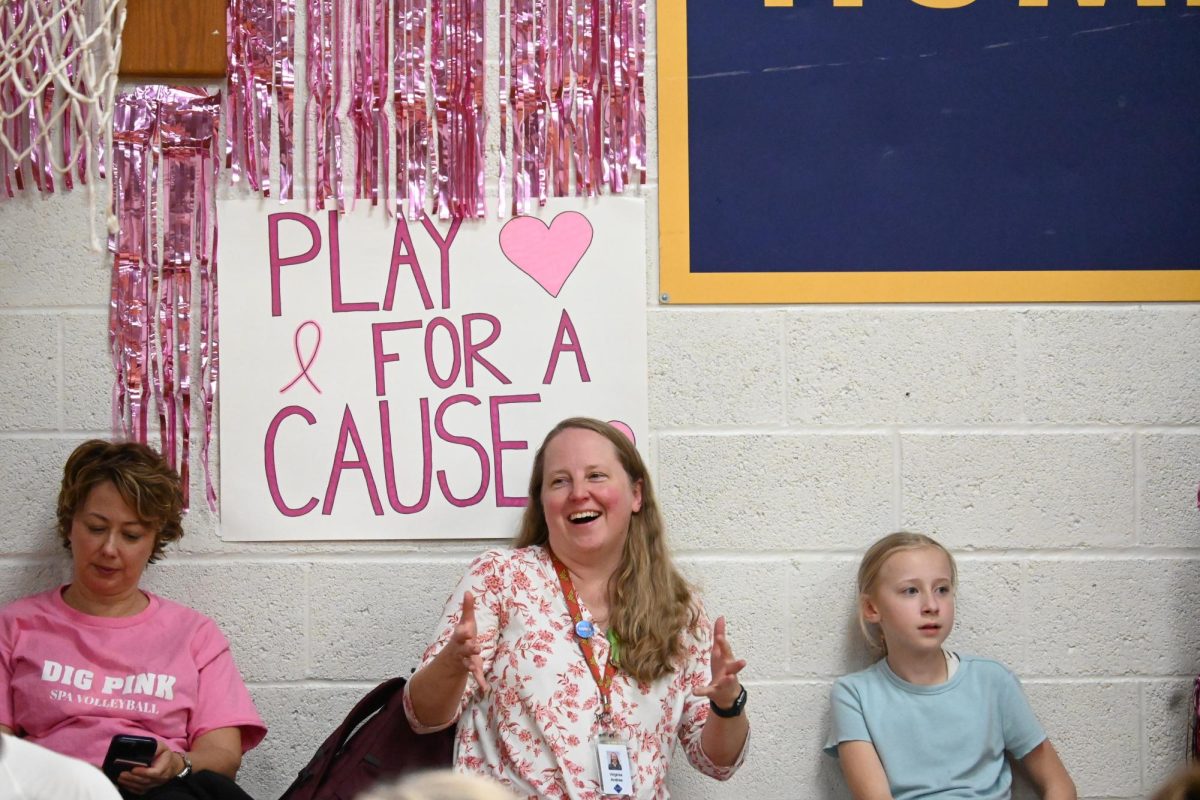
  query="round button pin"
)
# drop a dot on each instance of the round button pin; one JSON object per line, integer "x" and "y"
{"x": 584, "y": 629}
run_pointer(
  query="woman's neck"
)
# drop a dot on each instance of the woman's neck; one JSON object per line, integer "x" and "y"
{"x": 927, "y": 668}
{"x": 593, "y": 591}
{"x": 126, "y": 605}
{"x": 591, "y": 583}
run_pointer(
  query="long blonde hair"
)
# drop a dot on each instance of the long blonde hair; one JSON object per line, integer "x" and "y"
{"x": 651, "y": 602}
{"x": 873, "y": 561}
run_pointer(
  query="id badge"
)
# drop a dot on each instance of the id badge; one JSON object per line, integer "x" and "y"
{"x": 616, "y": 774}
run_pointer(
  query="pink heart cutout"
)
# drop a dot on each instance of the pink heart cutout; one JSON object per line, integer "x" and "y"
{"x": 547, "y": 254}
{"x": 623, "y": 428}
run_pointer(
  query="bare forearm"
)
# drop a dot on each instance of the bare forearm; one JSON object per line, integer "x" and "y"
{"x": 1059, "y": 786}
{"x": 863, "y": 770}
{"x": 436, "y": 690}
{"x": 1048, "y": 773}
{"x": 723, "y": 739}
{"x": 218, "y": 751}
{"x": 1062, "y": 789}
{"x": 216, "y": 759}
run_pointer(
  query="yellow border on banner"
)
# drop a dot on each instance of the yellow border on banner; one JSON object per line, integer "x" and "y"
{"x": 679, "y": 284}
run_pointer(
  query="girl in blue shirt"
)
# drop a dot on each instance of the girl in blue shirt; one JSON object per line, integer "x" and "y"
{"x": 924, "y": 722}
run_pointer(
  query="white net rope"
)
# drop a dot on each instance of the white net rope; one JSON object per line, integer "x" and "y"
{"x": 58, "y": 82}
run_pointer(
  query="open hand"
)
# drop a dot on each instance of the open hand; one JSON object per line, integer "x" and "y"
{"x": 464, "y": 649}
{"x": 724, "y": 687}
{"x": 165, "y": 766}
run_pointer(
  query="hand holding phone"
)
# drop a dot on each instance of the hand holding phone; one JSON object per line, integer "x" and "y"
{"x": 126, "y": 752}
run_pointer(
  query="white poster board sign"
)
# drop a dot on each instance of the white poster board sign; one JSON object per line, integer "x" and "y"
{"x": 384, "y": 379}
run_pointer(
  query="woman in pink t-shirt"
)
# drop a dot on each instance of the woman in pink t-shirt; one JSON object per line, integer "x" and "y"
{"x": 100, "y": 657}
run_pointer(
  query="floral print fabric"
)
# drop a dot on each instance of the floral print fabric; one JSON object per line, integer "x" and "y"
{"x": 535, "y": 729}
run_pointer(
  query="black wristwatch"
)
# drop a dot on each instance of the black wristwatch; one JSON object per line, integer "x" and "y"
{"x": 734, "y": 710}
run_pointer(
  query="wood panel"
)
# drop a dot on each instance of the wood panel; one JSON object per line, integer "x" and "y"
{"x": 174, "y": 39}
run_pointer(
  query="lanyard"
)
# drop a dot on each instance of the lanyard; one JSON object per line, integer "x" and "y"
{"x": 603, "y": 681}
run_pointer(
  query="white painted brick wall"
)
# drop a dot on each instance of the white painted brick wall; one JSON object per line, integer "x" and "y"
{"x": 1056, "y": 448}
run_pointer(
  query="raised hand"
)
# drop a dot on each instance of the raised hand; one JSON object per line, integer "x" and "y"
{"x": 724, "y": 687}
{"x": 463, "y": 649}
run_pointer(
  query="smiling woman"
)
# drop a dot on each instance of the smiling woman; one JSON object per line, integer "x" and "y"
{"x": 583, "y": 646}
{"x": 101, "y": 658}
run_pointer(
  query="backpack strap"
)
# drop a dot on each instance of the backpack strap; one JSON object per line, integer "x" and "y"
{"x": 1193, "y": 748}
{"x": 373, "y": 702}
{"x": 364, "y": 709}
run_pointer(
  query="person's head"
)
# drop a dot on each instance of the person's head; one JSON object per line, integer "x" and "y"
{"x": 439, "y": 785}
{"x": 591, "y": 501}
{"x": 906, "y": 586}
{"x": 118, "y": 507}
{"x": 590, "y": 497}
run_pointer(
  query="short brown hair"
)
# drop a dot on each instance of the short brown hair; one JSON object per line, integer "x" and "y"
{"x": 146, "y": 482}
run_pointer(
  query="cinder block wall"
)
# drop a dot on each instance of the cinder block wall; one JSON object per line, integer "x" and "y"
{"x": 1055, "y": 448}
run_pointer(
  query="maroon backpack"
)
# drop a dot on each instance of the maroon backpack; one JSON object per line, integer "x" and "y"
{"x": 373, "y": 743}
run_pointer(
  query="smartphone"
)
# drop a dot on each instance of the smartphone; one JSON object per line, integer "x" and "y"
{"x": 126, "y": 752}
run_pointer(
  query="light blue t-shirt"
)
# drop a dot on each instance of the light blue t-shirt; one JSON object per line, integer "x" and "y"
{"x": 944, "y": 741}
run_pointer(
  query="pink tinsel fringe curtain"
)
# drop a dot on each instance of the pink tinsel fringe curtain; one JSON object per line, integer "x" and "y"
{"x": 571, "y": 105}
{"x": 571, "y": 119}
{"x": 571, "y": 114}
{"x": 164, "y": 196}
{"x": 572, "y": 82}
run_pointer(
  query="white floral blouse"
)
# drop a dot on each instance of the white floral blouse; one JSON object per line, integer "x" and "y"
{"x": 535, "y": 730}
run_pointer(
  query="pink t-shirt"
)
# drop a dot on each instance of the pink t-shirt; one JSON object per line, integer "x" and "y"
{"x": 70, "y": 681}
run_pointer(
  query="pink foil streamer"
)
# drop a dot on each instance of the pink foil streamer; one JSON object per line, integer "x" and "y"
{"x": 260, "y": 81}
{"x": 6, "y": 101}
{"x": 588, "y": 119}
{"x": 541, "y": 129}
{"x": 209, "y": 343}
{"x": 151, "y": 311}
{"x": 615, "y": 167}
{"x": 502, "y": 179}
{"x": 409, "y": 98}
{"x": 524, "y": 95}
{"x": 323, "y": 126}
{"x": 251, "y": 73}
{"x": 285, "y": 87}
{"x": 558, "y": 126}
{"x": 457, "y": 54}
{"x": 131, "y": 301}
{"x": 369, "y": 75}
{"x": 637, "y": 110}
{"x": 236, "y": 109}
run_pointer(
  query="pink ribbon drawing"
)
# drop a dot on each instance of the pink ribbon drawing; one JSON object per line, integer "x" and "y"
{"x": 300, "y": 360}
